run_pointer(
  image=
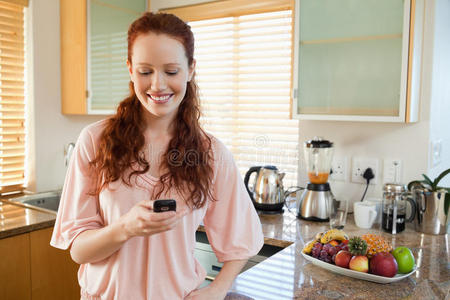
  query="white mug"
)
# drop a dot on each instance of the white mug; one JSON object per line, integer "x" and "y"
{"x": 365, "y": 214}
{"x": 377, "y": 202}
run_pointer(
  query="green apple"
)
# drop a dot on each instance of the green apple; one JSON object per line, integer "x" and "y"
{"x": 405, "y": 259}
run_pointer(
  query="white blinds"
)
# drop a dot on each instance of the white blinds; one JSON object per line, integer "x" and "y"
{"x": 12, "y": 97}
{"x": 244, "y": 75}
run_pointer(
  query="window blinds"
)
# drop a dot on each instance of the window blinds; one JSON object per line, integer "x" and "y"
{"x": 12, "y": 96}
{"x": 244, "y": 74}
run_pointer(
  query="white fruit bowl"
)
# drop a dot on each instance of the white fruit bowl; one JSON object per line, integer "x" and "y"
{"x": 356, "y": 274}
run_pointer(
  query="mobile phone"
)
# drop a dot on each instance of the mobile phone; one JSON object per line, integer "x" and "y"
{"x": 164, "y": 205}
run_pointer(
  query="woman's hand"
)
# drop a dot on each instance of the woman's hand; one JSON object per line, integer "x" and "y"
{"x": 141, "y": 220}
{"x": 206, "y": 293}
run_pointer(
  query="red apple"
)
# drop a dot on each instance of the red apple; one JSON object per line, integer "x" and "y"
{"x": 383, "y": 264}
{"x": 359, "y": 263}
{"x": 342, "y": 258}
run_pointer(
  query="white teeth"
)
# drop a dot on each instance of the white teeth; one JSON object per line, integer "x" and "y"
{"x": 162, "y": 98}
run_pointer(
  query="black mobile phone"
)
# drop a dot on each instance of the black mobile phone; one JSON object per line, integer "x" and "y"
{"x": 164, "y": 205}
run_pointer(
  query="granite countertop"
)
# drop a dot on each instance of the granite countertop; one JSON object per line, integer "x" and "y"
{"x": 287, "y": 275}
{"x": 17, "y": 219}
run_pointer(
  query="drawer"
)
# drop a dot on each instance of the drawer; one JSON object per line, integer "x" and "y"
{"x": 208, "y": 260}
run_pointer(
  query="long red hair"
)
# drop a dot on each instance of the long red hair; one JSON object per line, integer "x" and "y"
{"x": 188, "y": 159}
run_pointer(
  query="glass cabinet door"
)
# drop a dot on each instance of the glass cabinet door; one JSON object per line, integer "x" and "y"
{"x": 351, "y": 58}
{"x": 108, "y": 77}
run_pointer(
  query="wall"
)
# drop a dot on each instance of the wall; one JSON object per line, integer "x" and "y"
{"x": 440, "y": 104}
{"x": 52, "y": 130}
{"x": 408, "y": 142}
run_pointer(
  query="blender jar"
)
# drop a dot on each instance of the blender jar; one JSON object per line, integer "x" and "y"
{"x": 318, "y": 156}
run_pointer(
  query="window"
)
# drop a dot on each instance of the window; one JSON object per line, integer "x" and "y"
{"x": 244, "y": 74}
{"x": 12, "y": 95}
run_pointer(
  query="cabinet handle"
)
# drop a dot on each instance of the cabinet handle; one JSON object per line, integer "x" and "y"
{"x": 216, "y": 268}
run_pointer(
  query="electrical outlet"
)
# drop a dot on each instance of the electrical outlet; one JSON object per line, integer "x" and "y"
{"x": 436, "y": 149}
{"x": 392, "y": 171}
{"x": 339, "y": 167}
{"x": 359, "y": 165}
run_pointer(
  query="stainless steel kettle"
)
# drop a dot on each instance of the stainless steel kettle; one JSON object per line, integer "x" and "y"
{"x": 267, "y": 192}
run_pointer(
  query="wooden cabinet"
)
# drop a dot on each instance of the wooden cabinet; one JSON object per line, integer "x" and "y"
{"x": 31, "y": 269}
{"x": 15, "y": 268}
{"x": 53, "y": 272}
{"x": 357, "y": 60}
{"x": 94, "y": 76}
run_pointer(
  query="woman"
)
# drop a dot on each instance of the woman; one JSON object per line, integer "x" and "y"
{"x": 153, "y": 148}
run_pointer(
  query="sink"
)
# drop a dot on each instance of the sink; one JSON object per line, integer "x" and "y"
{"x": 46, "y": 200}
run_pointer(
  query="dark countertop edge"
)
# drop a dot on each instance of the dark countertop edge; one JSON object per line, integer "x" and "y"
{"x": 26, "y": 229}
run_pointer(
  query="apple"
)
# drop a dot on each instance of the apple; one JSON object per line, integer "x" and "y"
{"x": 405, "y": 259}
{"x": 343, "y": 258}
{"x": 359, "y": 263}
{"x": 383, "y": 264}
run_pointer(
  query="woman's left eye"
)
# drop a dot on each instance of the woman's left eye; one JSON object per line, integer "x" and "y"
{"x": 172, "y": 72}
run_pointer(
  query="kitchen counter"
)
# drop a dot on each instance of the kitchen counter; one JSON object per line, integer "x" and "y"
{"x": 287, "y": 275}
{"x": 17, "y": 219}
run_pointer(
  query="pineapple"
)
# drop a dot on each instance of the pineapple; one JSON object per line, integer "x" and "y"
{"x": 357, "y": 246}
{"x": 376, "y": 244}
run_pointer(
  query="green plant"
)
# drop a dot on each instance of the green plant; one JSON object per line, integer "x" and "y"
{"x": 432, "y": 186}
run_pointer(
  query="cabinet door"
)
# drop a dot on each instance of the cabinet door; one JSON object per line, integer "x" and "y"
{"x": 351, "y": 60}
{"x": 94, "y": 77}
{"x": 15, "y": 268}
{"x": 53, "y": 273}
{"x": 108, "y": 77}
{"x": 73, "y": 56}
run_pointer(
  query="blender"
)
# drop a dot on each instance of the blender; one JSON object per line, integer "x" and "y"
{"x": 315, "y": 202}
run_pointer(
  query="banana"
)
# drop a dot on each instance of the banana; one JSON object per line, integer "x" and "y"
{"x": 333, "y": 234}
{"x": 308, "y": 248}
{"x": 319, "y": 236}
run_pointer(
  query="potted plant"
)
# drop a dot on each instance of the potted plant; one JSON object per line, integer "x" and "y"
{"x": 432, "y": 202}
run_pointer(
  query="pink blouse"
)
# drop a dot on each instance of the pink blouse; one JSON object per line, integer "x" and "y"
{"x": 161, "y": 266}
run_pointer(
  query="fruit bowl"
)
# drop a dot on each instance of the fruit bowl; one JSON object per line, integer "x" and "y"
{"x": 356, "y": 274}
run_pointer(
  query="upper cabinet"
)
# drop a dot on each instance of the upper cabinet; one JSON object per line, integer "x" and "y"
{"x": 357, "y": 60}
{"x": 94, "y": 75}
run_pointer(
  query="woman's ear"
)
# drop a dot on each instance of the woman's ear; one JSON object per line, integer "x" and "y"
{"x": 130, "y": 70}
{"x": 191, "y": 70}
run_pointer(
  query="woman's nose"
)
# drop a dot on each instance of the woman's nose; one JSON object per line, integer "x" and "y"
{"x": 158, "y": 81}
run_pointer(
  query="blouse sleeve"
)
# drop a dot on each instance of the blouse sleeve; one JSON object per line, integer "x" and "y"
{"x": 78, "y": 210}
{"x": 231, "y": 223}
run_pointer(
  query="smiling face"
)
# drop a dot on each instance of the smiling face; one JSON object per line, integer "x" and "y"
{"x": 159, "y": 70}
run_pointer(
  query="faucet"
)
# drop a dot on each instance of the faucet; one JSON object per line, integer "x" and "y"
{"x": 68, "y": 153}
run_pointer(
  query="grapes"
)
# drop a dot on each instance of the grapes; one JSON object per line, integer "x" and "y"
{"x": 318, "y": 246}
{"x": 332, "y": 258}
{"x": 345, "y": 247}
{"x": 338, "y": 248}
{"x": 316, "y": 252}
{"x": 331, "y": 251}
{"x": 326, "y": 247}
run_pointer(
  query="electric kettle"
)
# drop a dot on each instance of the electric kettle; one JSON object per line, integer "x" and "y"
{"x": 267, "y": 191}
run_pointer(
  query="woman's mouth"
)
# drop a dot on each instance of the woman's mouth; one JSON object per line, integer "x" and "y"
{"x": 159, "y": 99}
